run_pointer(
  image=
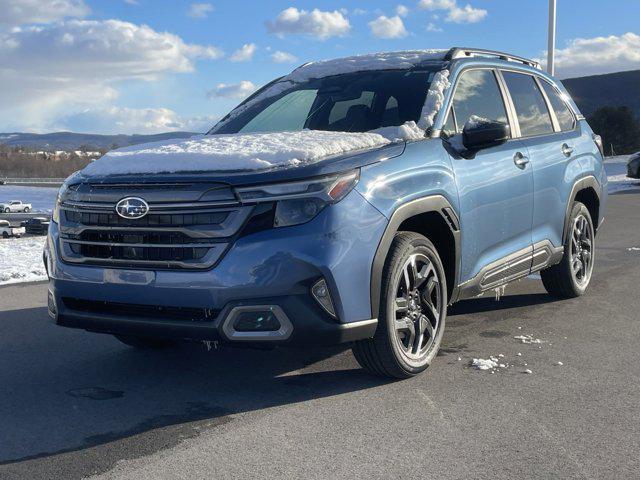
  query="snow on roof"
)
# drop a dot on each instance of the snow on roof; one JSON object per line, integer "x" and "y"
{"x": 374, "y": 61}
{"x": 248, "y": 151}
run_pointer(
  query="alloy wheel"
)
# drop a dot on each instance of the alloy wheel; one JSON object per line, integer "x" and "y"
{"x": 581, "y": 250}
{"x": 417, "y": 307}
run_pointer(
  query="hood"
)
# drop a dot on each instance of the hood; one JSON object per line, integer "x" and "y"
{"x": 234, "y": 153}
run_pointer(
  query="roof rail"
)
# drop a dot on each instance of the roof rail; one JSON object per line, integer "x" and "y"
{"x": 461, "y": 52}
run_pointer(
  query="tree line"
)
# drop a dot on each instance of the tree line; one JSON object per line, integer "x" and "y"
{"x": 619, "y": 129}
{"x": 20, "y": 162}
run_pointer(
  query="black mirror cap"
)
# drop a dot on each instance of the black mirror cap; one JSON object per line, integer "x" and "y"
{"x": 483, "y": 134}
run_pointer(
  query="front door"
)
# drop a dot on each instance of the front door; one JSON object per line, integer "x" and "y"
{"x": 495, "y": 188}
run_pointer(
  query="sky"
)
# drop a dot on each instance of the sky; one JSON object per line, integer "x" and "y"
{"x": 150, "y": 66}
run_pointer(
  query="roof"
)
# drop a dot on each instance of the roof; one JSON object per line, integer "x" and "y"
{"x": 401, "y": 60}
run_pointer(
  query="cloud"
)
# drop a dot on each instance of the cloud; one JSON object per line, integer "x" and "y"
{"x": 385, "y": 27}
{"x": 402, "y": 11}
{"x": 456, "y": 14}
{"x": 233, "y": 90}
{"x": 244, "y": 53}
{"x": 67, "y": 66}
{"x": 598, "y": 55}
{"x": 115, "y": 120}
{"x": 24, "y": 12}
{"x": 432, "y": 27}
{"x": 283, "y": 57}
{"x": 467, "y": 14}
{"x": 199, "y": 10}
{"x": 316, "y": 23}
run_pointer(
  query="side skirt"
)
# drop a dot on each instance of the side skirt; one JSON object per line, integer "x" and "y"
{"x": 511, "y": 268}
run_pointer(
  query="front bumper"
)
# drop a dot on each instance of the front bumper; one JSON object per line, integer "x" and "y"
{"x": 273, "y": 268}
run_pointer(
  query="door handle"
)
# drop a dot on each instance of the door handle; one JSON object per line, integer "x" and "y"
{"x": 567, "y": 150}
{"x": 520, "y": 160}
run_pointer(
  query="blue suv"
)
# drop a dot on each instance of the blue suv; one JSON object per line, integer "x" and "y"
{"x": 350, "y": 201}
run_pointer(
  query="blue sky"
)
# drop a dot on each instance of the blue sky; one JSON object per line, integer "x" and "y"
{"x": 146, "y": 66}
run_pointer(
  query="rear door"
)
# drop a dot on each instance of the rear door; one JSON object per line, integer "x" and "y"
{"x": 496, "y": 194}
{"x": 548, "y": 129}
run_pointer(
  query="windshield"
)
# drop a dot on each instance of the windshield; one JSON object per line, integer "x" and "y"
{"x": 355, "y": 102}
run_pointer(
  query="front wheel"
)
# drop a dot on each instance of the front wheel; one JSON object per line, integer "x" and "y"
{"x": 27, "y": 209}
{"x": 146, "y": 343}
{"x": 413, "y": 310}
{"x": 570, "y": 278}
{"x": 5, "y": 235}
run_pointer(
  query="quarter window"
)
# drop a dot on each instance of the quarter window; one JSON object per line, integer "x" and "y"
{"x": 559, "y": 105}
{"x": 477, "y": 94}
{"x": 533, "y": 115}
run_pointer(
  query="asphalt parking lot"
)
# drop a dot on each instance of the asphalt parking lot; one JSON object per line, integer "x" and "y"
{"x": 74, "y": 404}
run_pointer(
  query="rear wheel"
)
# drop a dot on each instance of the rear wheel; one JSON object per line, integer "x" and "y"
{"x": 7, "y": 210}
{"x": 570, "y": 278}
{"x": 146, "y": 343}
{"x": 5, "y": 235}
{"x": 412, "y": 313}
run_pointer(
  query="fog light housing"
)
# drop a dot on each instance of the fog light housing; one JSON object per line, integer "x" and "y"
{"x": 320, "y": 292}
{"x": 256, "y": 321}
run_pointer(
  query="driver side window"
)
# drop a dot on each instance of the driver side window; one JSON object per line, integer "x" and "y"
{"x": 477, "y": 94}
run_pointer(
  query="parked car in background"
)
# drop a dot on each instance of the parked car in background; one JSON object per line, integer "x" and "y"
{"x": 6, "y": 230}
{"x": 351, "y": 201}
{"x": 15, "y": 206}
{"x": 633, "y": 167}
{"x": 36, "y": 225}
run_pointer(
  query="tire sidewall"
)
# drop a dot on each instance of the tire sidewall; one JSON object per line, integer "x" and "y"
{"x": 419, "y": 244}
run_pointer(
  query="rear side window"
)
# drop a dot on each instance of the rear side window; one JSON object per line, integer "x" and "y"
{"x": 533, "y": 115}
{"x": 477, "y": 93}
{"x": 559, "y": 105}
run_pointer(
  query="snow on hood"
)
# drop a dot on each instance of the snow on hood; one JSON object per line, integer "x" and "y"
{"x": 248, "y": 151}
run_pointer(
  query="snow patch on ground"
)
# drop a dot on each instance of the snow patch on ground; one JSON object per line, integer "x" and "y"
{"x": 616, "y": 168}
{"x": 21, "y": 260}
{"x": 42, "y": 199}
{"x": 528, "y": 339}
{"x": 250, "y": 151}
{"x": 484, "y": 363}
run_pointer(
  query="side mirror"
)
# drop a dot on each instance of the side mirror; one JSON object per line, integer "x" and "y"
{"x": 479, "y": 133}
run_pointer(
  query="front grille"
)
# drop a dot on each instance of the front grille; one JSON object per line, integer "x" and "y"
{"x": 141, "y": 311}
{"x": 186, "y": 234}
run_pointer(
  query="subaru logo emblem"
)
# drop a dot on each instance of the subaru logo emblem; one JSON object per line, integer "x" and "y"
{"x": 132, "y": 208}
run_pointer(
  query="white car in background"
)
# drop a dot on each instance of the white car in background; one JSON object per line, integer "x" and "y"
{"x": 15, "y": 206}
{"x": 6, "y": 230}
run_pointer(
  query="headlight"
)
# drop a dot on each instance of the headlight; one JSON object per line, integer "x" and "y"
{"x": 299, "y": 202}
{"x": 56, "y": 208}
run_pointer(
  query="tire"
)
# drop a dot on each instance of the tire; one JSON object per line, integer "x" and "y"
{"x": 7, "y": 210}
{"x": 27, "y": 209}
{"x": 571, "y": 277}
{"x": 397, "y": 349}
{"x": 146, "y": 343}
{"x": 5, "y": 235}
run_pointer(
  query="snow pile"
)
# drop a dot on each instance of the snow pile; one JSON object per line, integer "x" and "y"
{"x": 485, "y": 363}
{"x": 42, "y": 199}
{"x": 435, "y": 99}
{"x": 248, "y": 151}
{"x": 616, "y": 168}
{"x": 21, "y": 260}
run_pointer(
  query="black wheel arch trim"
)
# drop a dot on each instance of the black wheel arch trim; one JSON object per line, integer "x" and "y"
{"x": 435, "y": 203}
{"x": 583, "y": 183}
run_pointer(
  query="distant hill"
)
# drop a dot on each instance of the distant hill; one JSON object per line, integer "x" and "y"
{"x": 73, "y": 141}
{"x": 612, "y": 90}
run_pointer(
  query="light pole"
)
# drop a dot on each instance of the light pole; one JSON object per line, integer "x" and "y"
{"x": 552, "y": 37}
